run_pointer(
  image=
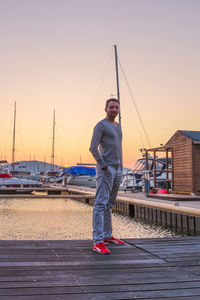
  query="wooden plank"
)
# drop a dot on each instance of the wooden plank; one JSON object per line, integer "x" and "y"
{"x": 91, "y": 277}
{"x": 21, "y": 274}
{"x": 61, "y": 287}
{"x": 195, "y": 292}
{"x": 64, "y": 289}
{"x": 175, "y": 240}
{"x": 103, "y": 278}
{"x": 168, "y": 248}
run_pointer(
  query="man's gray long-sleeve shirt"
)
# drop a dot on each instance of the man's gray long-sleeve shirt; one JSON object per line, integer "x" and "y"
{"x": 106, "y": 144}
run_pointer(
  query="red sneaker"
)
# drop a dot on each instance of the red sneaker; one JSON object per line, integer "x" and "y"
{"x": 113, "y": 240}
{"x": 101, "y": 248}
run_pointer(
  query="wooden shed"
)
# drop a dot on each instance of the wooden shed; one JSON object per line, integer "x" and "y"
{"x": 185, "y": 161}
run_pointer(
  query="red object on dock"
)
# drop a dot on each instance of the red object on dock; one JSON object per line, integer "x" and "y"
{"x": 162, "y": 191}
{"x": 5, "y": 175}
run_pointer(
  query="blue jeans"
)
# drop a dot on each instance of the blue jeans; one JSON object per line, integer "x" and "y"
{"x": 107, "y": 186}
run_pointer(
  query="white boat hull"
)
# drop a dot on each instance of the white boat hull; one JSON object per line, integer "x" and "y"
{"x": 18, "y": 183}
{"x": 83, "y": 180}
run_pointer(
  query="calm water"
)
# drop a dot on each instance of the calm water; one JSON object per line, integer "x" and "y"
{"x": 62, "y": 219}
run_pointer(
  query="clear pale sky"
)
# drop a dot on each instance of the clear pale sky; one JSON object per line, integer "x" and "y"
{"x": 58, "y": 54}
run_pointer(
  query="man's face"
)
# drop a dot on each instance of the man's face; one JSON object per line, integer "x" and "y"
{"x": 112, "y": 109}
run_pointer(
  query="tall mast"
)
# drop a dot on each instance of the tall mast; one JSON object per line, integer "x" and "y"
{"x": 53, "y": 142}
{"x": 118, "y": 94}
{"x": 13, "y": 145}
{"x": 117, "y": 81}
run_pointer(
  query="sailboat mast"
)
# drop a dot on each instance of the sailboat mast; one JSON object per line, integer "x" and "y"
{"x": 118, "y": 94}
{"x": 53, "y": 142}
{"x": 13, "y": 145}
{"x": 117, "y": 80}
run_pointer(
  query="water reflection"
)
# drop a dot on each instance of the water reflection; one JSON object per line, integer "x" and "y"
{"x": 62, "y": 219}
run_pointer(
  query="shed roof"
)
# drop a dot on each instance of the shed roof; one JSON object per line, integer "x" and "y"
{"x": 194, "y": 135}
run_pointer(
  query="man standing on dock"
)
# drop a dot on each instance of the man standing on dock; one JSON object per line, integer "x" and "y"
{"x": 106, "y": 148}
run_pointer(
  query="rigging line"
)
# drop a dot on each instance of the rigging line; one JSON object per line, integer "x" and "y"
{"x": 141, "y": 140}
{"x": 84, "y": 134}
{"x": 138, "y": 113}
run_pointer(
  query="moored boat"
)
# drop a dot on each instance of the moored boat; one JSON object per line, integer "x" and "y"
{"x": 133, "y": 179}
{"x": 8, "y": 181}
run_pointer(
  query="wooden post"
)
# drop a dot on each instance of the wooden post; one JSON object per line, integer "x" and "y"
{"x": 167, "y": 167}
{"x": 147, "y": 164}
{"x": 154, "y": 168}
{"x": 193, "y": 169}
{"x": 172, "y": 167}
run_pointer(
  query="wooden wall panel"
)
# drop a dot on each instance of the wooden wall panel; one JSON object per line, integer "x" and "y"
{"x": 196, "y": 154}
{"x": 182, "y": 162}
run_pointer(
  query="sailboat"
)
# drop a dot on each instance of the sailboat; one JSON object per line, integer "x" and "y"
{"x": 18, "y": 169}
{"x": 7, "y": 180}
{"x": 53, "y": 173}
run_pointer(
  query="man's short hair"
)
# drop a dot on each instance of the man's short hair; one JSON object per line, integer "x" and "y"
{"x": 111, "y": 100}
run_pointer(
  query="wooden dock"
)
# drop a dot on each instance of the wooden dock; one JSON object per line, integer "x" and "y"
{"x": 69, "y": 269}
{"x": 176, "y": 214}
{"x": 50, "y": 190}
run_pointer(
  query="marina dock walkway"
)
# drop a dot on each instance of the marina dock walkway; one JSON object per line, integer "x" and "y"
{"x": 167, "y": 268}
{"x": 180, "y": 200}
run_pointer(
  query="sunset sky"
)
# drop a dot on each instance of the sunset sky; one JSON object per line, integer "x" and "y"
{"x": 58, "y": 54}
